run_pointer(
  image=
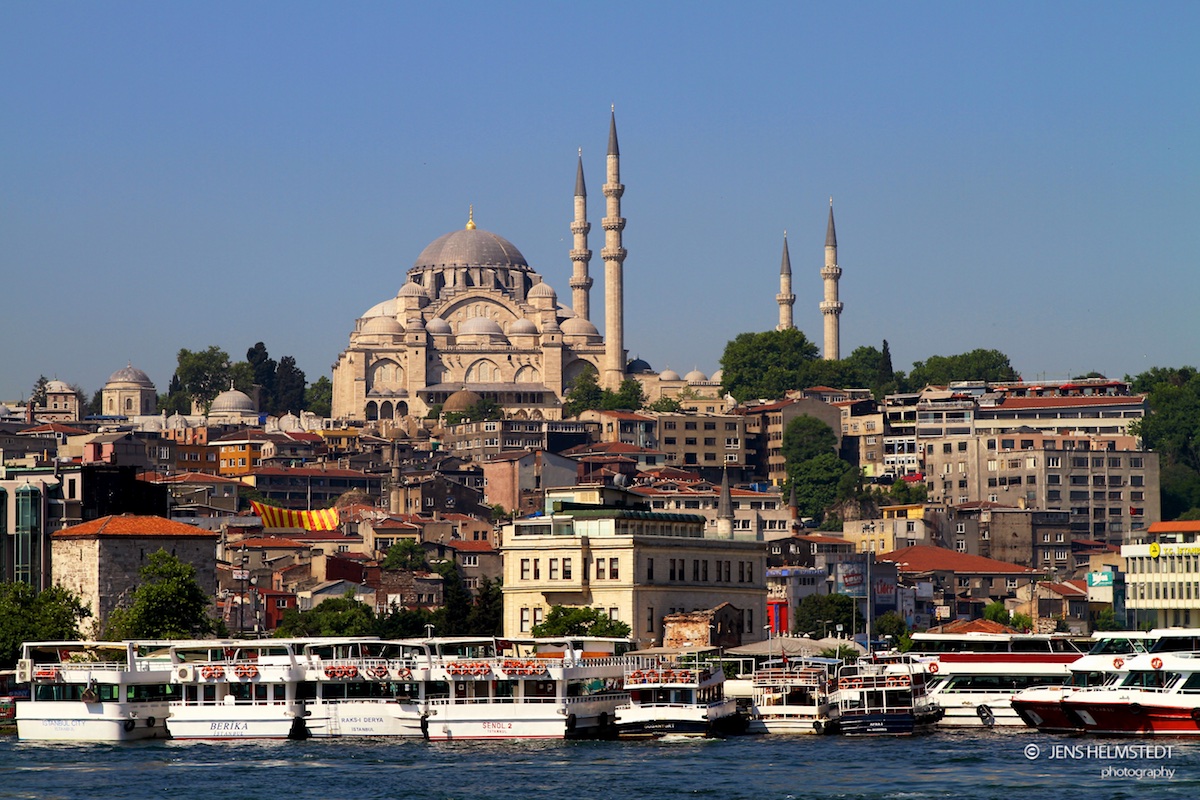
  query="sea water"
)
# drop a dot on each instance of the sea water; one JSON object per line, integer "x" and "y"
{"x": 1003, "y": 764}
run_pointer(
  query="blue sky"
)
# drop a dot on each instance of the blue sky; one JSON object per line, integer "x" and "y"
{"x": 1022, "y": 176}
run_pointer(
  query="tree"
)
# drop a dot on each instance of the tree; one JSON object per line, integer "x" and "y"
{"x": 483, "y": 409}
{"x": 403, "y": 623}
{"x": 977, "y": 365}
{"x": 27, "y": 615}
{"x": 406, "y": 554}
{"x": 885, "y": 376}
{"x": 96, "y": 407}
{"x": 818, "y": 482}
{"x": 1022, "y": 622}
{"x": 38, "y": 395}
{"x": 629, "y": 397}
{"x": 339, "y": 616}
{"x": 263, "y": 367}
{"x": 807, "y": 437}
{"x": 167, "y": 604}
{"x": 204, "y": 374}
{"x": 486, "y": 617}
{"x": 664, "y": 405}
{"x": 820, "y": 614}
{"x": 1106, "y": 620}
{"x": 289, "y": 387}
{"x": 176, "y": 400}
{"x": 318, "y": 398}
{"x": 767, "y": 364}
{"x": 584, "y": 394}
{"x": 1172, "y": 428}
{"x": 891, "y": 625}
{"x": 451, "y": 618}
{"x": 564, "y": 621}
{"x": 904, "y": 492}
{"x": 997, "y": 612}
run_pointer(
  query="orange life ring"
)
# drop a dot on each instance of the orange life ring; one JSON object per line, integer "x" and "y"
{"x": 855, "y": 683}
{"x": 1156, "y": 662}
{"x": 904, "y": 680}
{"x": 844, "y": 683}
{"x": 635, "y": 676}
{"x": 330, "y": 672}
{"x": 1118, "y": 662}
{"x": 350, "y": 672}
{"x": 404, "y": 674}
{"x": 933, "y": 668}
{"x": 893, "y": 681}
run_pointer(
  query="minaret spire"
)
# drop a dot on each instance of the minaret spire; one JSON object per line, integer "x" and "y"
{"x": 614, "y": 267}
{"x": 785, "y": 298}
{"x": 725, "y": 508}
{"x": 581, "y": 256}
{"x": 831, "y": 307}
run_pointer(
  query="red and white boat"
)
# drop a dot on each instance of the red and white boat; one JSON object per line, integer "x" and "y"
{"x": 1159, "y": 695}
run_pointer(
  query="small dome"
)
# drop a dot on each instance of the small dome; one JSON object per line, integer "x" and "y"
{"x": 638, "y": 366}
{"x": 387, "y": 326}
{"x": 696, "y": 376}
{"x": 152, "y": 425}
{"x": 385, "y": 309}
{"x": 411, "y": 289}
{"x": 522, "y": 326}
{"x": 131, "y": 374}
{"x": 57, "y": 387}
{"x": 4, "y": 410}
{"x": 461, "y": 400}
{"x": 668, "y": 375}
{"x": 437, "y": 325}
{"x": 177, "y": 422}
{"x": 289, "y": 422}
{"x": 578, "y": 326}
{"x": 480, "y": 325}
{"x": 232, "y": 402}
{"x": 542, "y": 290}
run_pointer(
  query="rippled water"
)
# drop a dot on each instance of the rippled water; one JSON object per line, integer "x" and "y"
{"x": 982, "y": 764}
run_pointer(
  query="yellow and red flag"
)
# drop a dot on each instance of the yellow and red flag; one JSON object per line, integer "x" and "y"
{"x": 326, "y": 519}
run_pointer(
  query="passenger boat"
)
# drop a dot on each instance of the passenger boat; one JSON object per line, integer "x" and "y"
{"x": 237, "y": 689}
{"x": 791, "y": 696}
{"x": 1158, "y": 695}
{"x": 93, "y": 691}
{"x": 882, "y": 695}
{"x": 364, "y": 687}
{"x": 676, "y": 699}
{"x": 542, "y": 688}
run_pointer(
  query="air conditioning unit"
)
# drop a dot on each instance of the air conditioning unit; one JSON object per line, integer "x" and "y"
{"x": 185, "y": 672}
{"x": 24, "y": 670}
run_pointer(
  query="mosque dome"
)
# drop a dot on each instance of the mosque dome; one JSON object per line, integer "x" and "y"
{"x": 461, "y": 400}
{"x": 638, "y": 366}
{"x": 232, "y": 402}
{"x": 485, "y": 326}
{"x": 177, "y": 422}
{"x": 578, "y": 326}
{"x": 522, "y": 326}
{"x": 411, "y": 289}
{"x": 57, "y": 387}
{"x": 437, "y": 325}
{"x": 696, "y": 376}
{"x": 542, "y": 290}
{"x": 669, "y": 375}
{"x": 385, "y": 309}
{"x": 131, "y": 374}
{"x": 717, "y": 376}
{"x": 385, "y": 326}
{"x": 471, "y": 247}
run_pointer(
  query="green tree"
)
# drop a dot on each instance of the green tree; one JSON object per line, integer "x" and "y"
{"x": 1106, "y": 620}
{"x": 263, "y": 367}
{"x": 997, "y": 612}
{"x": 584, "y": 394}
{"x": 629, "y": 397}
{"x": 318, "y": 397}
{"x": 289, "y": 387}
{"x": 885, "y": 376}
{"x": 27, "y": 615}
{"x": 1022, "y": 622}
{"x": 818, "y": 482}
{"x": 406, "y": 554}
{"x": 820, "y": 614}
{"x": 807, "y": 437}
{"x": 339, "y": 616}
{"x": 1172, "y": 428}
{"x": 167, "y": 604}
{"x": 96, "y": 407}
{"x": 977, "y": 365}
{"x": 902, "y": 492}
{"x": 891, "y": 624}
{"x": 485, "y": 408}
{"x": 664, "y": 405}
{"x": 767, "y": 364}
{"x": 486, "y": 617}
{"x": 403, "y": 623}
{"x": 203, "y": 374}
{"x": 38, "y": 394}
{"x": 565, "y": 621}
{"x": 451, "y": 618}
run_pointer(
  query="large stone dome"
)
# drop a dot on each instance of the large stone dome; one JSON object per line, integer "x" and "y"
{"x": 461, "y": 400}
{"x": 471, "y": 247}
{"x": 131, "y": 374}
{"x": 232, "y": 402}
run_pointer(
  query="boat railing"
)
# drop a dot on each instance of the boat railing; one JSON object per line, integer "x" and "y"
{"x": 815, "y": 678}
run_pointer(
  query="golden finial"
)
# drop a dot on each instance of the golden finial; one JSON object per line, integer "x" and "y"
{"x": 471, "y": 218}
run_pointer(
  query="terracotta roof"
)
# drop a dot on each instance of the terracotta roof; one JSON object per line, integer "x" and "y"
{"x": 470, "y": 546}
{"x": 1074, "y": 402}
{"x": 312, "y": 472}
{"x": 927, "y": 558}
{"x": 197, "y": 477}
{"x": 1068, "y": 589}
{"x": 52, "y": 427}
{"x": 267, "y": 542}
{"x": 392, "y": 524}
{"x": 132, "y": 525}
{"x": 1176, "y": 526}
{"x": 972, "y": 626}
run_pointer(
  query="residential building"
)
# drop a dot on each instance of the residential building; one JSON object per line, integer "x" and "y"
{"x": 1162, "y": 574}
{"x": 765, "y": 425}
{"x": 517, "y": 480}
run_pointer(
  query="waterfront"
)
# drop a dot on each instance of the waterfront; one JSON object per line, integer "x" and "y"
{"x": 947, "y": 764}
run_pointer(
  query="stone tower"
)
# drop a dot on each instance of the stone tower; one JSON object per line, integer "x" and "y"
{"x": 614, "y": 267}
{"x": 581, "y": 282}
{"x": 785, "y": 298}
{"x": 831, "y": 307}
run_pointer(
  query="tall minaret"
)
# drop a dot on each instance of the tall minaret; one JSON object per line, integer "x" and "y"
{"x": 581, "y": 282}
{"x": 614, "y": 267}
{"x": 831, "y": 307}
{"x": 785, "y": 298}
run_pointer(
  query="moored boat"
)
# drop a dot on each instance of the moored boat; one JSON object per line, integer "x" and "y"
{"x": 882, "y": 695}
{"x": 791, "y": 696}
{"x": 1159, "y": 695}
{"x": 676, "y": 698}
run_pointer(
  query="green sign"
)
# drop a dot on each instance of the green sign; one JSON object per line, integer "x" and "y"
{"x": 1100, "y": 579}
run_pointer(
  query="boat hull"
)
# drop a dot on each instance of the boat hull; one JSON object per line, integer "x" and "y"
{"x": 236, "y": 722}
{"x": 73, "y": 721}
{"x": 349, "y": 718}
{"x": 1047, "y": 715}
{"x": 1122, "y": 718}
{"x": 899, "y": 723}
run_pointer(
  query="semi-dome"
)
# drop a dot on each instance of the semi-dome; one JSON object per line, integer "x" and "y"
{"x": 437, "y": 325}
{"x": 385, "y": 309}
{"x": 57, "y": 387}
{"x": 578, "y": 326}
{"x": 542, "y": 290}
{"x": 668, "y": 375}
{"x": 385, "y": 326}
{"x": 131, "y": 374}
{"x": 411, "y": 289}
{"x": 471, "y": 247}
{"x": 480, "y": 325}
{"x": 696, "y": 376}
{"x": 461, "y": 400}
{"x": 522, "y": 326}
{"x": 232, "y": 402}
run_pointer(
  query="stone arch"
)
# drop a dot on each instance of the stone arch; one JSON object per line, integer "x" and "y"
{"x": 483, "y": 371}
{"x": 372, "y": 410}
{"x": 528, "y": 374}
{"x": 386, "y": 374}
{"x": 385, "y": 410}
{"x": 577, "y": 368}
{"x": 401, "y": 409}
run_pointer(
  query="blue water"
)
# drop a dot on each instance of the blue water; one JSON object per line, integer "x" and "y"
{"x": 946, "y": 764}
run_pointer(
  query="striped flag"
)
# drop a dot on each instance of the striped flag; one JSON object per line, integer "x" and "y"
{"x": 326, "y": 519}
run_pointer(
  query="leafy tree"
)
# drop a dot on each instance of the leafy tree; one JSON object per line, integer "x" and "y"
{"x": 885, "y": 376}
{"x": 1022, "y": 622}
{"x": 204, "y": 374}
{"x": 403, "y": 623}
{"x": 807, "y": 437}
{"x": 167, "y": 604}
{"x": 843, "y": 652}
{"x": 318, "y": 397}
{"x": 176, "y": 399}
{"x": 904, "y": 492}
{"x": 997, "y": 612}
{"x": 486, "y": 616}
{"x": 500, "y": 513}
{"x": 629, "y": 397}
{"x": 451, "y": 618}
{"x": 96, "y": 407}
{"x": 1172, "y": 428}
{"x": 263, "y": 367}
{"x": 584, "y": 394}
{"x": 977, "y": 365}
{"x": 406, "y": 554}
{"x": 339, "y": 616}
{"x": 485, "y": 408}
{"x": 289, "y": 387}
{"x": 1106, "y": 620}
{"x": 27, "y": 615}
{"x": 820, "y": 614}
{"x": 891, "y": 624}
{"x": 818, "y": 482}
{"x": 565, "y": 621}
{"x": 767, "y": 364}
{"x": 665, "y": 405}
{"x": 38, "y": 394}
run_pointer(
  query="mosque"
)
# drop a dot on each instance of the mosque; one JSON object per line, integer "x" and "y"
{"x": 473, "y": 320}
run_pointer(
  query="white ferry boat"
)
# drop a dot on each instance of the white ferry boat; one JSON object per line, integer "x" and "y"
{"x": 676, "y": 698}
{"x": 546, "y": 688}
{"x": 237, "y": 689}
{"x": 364, "y": 687}
{"x": 882, "y": 695}
{"x": 1158, "y": 695}
{"x": 791, "y": 696}
{"x": 93, "y": 691}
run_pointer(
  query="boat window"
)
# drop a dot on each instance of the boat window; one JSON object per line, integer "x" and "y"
{"x": 1030, "y": 646}
{"x": 1085, "y": 679}
{"x": 1192, "y": 684}
{"x": 437, "y": 689}
{"x": 1150, "y": 679}
{"x": 1176, "y": 644}
{"x": 1115, "y": 647}
{"x": 307, "y": 690}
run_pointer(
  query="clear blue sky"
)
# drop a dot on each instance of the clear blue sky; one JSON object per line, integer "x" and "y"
{"x": 1020, "y": 176}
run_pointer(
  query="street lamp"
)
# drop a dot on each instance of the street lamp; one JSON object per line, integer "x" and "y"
{"x": 428, "y": 630}
{"x": 825, "y": 623}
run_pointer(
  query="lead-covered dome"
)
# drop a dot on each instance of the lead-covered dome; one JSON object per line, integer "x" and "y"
{"x": 131, "y": 374}
{"x": 232, "y": 401}
{"x": 471, "y": 247}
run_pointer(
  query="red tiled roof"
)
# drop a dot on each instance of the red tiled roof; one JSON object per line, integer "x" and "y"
{"x": 197, "y": 477}
{"x": 52, "y": 427}
{"x": 471, "y": 546}
{"x": 1057, "y": 402}
{"x": 132, "y": 525}
{"x": 1176, "y": 526}
{"x": 927, "y": 558}
{"x": 267, "y": 542}
{"x": 972, "y": 626}
{"x": 1068, "y": 589}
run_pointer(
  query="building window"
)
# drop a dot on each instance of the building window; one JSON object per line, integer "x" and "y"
{"x": 612, "y": 569}
{"x": 600, "y": 569}
{"x": 650, "y": 619}
{"x": 470, "y": 561}
{"x": 525, "y": 573}
{"x": 704, "y": 570}
{"x": 554, "y": 569}
{"x": 649, "y": 569}
{"x": 524, "y": 620}
{"x": 537, "y": 569}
